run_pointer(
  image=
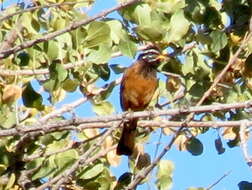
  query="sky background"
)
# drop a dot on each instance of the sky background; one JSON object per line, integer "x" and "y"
{"x": 190, "y": 171}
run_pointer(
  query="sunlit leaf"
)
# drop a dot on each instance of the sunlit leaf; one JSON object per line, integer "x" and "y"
{"x": 92, "y": 171}
{"x": 164, "y": 174}
{"x": 179, "y": 27}
{"x": 219, "y": 40}
{"x": 128, "y": 48}
{"x": 103, "y": 108}
{"x": 97, "y": 33}
{"x": 150, "y": 32}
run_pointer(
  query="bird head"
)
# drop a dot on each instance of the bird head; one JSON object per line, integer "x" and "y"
{"x": 152, "y": 56}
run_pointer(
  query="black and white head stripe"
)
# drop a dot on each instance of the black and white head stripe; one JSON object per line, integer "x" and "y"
{"x": 149, "y": 55}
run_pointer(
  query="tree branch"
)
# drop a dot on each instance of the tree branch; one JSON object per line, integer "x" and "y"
{"x": 106, "y": 120}
{"x": 73, "y": 26}
{"x": 144, "y": 172}
{"x": 81, "y": 161}
{"x": 40, "y": 7}
{"x": 11, "y": 36}
{"x": 29, "y": 72}
{"x": 244, "y": 145}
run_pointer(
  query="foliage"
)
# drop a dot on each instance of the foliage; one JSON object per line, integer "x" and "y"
{"x": 35, "y": 78}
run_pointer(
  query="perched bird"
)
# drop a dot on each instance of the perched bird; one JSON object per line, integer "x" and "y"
{"x": 138, "y": 85}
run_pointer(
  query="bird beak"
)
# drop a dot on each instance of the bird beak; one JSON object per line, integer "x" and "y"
{"x": 163, "y": 57}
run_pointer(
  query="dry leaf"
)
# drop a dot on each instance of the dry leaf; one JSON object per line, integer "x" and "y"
{"x": 143, "y": 161}
{"x": 173, "y": 84}
{"x": 108, "y": 142}
{"x": 113, "y": 158}
{"x": 180, "y": 142}
{"x": 167, "y": 131}
{"x": 91, "y": 132}
{"x": 229, "y": 133}
{"x": 11, "y": 93}
{"x": 139, "y": 149}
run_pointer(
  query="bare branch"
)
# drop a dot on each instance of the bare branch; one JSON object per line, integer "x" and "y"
{"x": 72, "y": 26}
{"x": 144, "y": 172}
{"x": 106, "y": 120}
{"x": 40, "y": 7}
{"x": 11, "y": 37}
{"x": 83, "y": 160}
{"x": 231, "y": 61}
{"x": 244, "y": 145}
{"x": 9, "y": 72}
{"x": 63, "y": 109}
{"x": 72, "y": 144}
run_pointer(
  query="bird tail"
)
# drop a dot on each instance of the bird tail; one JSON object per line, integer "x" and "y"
{"x": 127, "y": 141}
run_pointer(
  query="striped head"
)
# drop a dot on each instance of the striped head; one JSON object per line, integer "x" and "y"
{"x": 151, "y": 56}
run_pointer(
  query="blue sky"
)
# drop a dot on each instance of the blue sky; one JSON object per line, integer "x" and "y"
{"x": 197, "y": 171}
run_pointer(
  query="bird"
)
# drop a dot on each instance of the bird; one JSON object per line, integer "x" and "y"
{"x": 139, "y": 83}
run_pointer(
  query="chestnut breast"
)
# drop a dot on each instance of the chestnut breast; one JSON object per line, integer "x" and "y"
{"x": 138, "y": 86}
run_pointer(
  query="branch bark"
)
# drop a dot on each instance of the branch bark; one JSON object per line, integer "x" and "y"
{"x": 73, "y": 26}
{"x": 106, "y": 120}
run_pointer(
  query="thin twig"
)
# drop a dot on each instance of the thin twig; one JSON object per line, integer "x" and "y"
{"x": 40, "y": 7}
{"x": 218, "y": 181}
{"x": 72, "y": 26}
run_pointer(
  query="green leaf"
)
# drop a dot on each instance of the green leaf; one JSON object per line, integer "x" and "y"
{"x": 45, "y": 170}
{"x": 78, "y": 37}
{"x": 31, "y": 98}
{"x": 65, "y": 40}
{"x": 116, "y": 30}
{"x": 219, "y": 146}
{"x": 51, "y": 85}
{"x": 245, "y": 185}
{"x": 22, "y": 59}
{"x": 128, "y": 48}
{"x": 102, "y": 55}
{"x": 197, "y": 89}
{"x": 170, "y": 6}
{"x": 11, "y": 181}
{"x": 124, "y": 180}
{"x": 188, "y": 66}
{"x": 117, "y": 68}
{"x": 102, "y": 70}
{"x": 142, "y": 14}
{"x": 52, "y": 49}
{"x": 92, "y": 171}
{"x": 70, "y": 85}
{"x": 219, "y": 40}
{"x": 249, "y": 44}
{"x": 10, "y": 120}
{"x": 164, "y": 173}
{"x": 98, "y": 32}
{"x": 103, "y": 108}
{"x": 58, "y": 72}
{"x": 194, "y": 146}
{"x": 150, "y": 32}
{"x": 179, "y": 27}
{"x": 65, "y": 159}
